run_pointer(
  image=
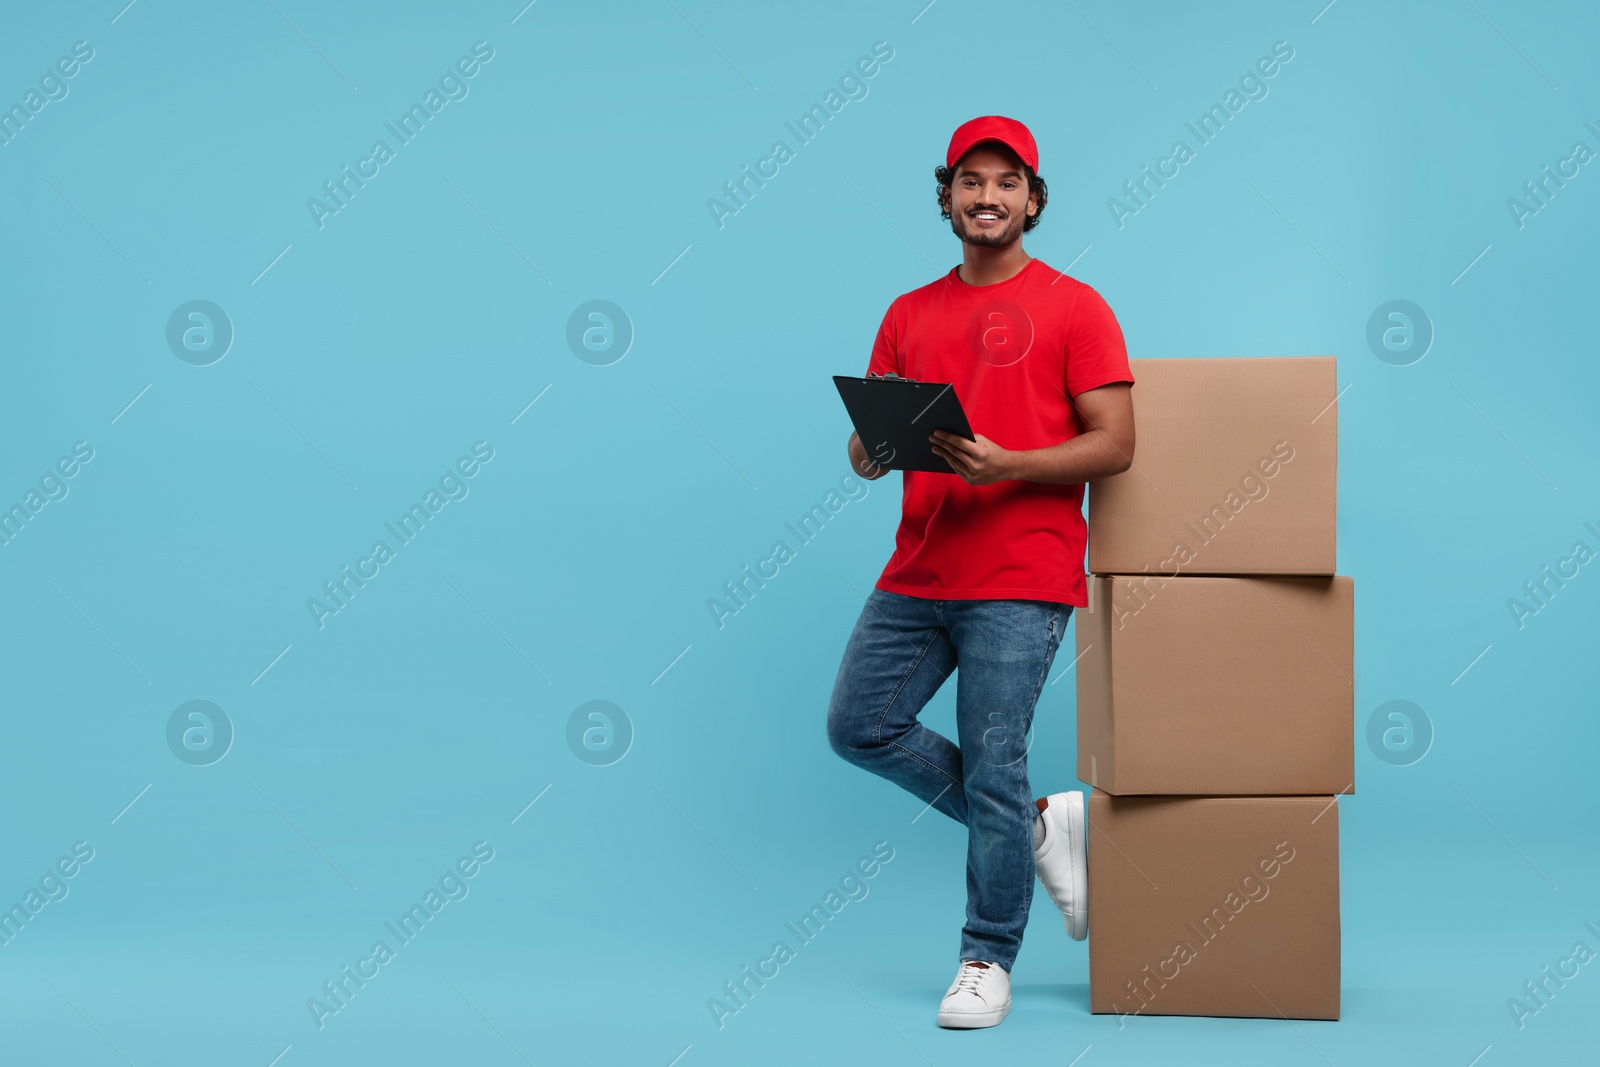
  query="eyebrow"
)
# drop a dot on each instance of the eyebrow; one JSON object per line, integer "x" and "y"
{"x": 965, "y": 172}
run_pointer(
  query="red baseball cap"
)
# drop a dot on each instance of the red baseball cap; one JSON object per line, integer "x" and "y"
{"x": 1009, "y": 132}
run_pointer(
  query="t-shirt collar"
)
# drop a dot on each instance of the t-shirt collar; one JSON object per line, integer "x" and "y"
{"x": 954, "y": 278}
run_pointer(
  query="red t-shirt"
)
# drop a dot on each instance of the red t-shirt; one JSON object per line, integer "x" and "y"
{"x": 1015, "y": 351}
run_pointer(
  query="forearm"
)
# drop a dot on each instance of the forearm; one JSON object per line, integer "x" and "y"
{"x": 861, "y": 463}
{"x": 1084, "y": 458}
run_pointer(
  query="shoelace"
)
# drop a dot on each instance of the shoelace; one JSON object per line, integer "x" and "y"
{"x": 970, "y": 978}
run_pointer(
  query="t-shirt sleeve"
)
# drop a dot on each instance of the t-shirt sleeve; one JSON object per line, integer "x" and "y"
{"x": 885, "y": 356}
{"x": 1096, "y": 352}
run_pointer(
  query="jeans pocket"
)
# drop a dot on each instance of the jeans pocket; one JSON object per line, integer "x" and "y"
{"x": 1058, "y": 625}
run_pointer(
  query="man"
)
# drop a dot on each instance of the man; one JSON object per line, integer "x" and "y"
{"x": 988, "y": 559}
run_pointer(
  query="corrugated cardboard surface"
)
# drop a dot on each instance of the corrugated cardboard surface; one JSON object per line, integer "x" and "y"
{"x": 1214, "y": 906}
{"x": 1235, "y": 471}
{"x": 1217, "y": 685}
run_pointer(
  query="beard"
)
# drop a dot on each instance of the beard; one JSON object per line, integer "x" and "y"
{"x": 998, "y": 237}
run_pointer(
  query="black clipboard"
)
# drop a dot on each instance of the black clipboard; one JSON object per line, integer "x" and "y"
{"x": 893, "y": 417}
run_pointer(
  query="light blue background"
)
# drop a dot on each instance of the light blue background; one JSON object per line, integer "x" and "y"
{"x": 429, "y": 312}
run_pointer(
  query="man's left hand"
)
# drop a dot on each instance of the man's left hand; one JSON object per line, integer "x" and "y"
{"x": 977, "y": 462}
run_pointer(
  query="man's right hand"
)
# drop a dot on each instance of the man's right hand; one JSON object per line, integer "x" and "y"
{"x": 862, "y": 463}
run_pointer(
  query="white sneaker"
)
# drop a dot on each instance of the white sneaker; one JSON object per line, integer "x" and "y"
{"x": 1062, "y": 860}
{"x": 980, "y": 996}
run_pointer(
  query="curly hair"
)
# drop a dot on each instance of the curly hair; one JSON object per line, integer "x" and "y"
{"x": 946, "y": 176}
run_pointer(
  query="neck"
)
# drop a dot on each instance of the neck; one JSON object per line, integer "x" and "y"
{"x": 984, "y": 265}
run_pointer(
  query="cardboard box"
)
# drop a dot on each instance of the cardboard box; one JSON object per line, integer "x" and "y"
{"x": 1214, "y": 906}
{"x": 1235, "y": 471}
{"x": 1217, "y": 685}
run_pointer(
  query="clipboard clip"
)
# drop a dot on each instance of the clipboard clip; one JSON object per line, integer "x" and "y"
{"x": 891, "y": 376}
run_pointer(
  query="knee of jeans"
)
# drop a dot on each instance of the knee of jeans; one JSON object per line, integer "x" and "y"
{"x": 847, "y": 734}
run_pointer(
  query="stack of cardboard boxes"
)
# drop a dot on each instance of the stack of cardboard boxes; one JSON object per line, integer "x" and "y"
{"x": 1216, "y": 696}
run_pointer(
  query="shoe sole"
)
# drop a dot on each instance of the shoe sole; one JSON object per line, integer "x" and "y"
{"x": 1076, "y": 825}
{"x": 974, "y": 1020}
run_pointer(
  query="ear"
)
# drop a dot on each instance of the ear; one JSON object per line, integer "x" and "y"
{"x": 1033, "y": 202}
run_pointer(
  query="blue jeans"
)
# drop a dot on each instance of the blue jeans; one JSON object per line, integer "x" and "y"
{"x": 900, "y": 652}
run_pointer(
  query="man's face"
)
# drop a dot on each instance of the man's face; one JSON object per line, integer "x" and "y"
{"x": 989, "y": 197}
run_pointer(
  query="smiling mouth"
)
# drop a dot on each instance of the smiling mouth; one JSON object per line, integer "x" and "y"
{"x": 985, "y": 217}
